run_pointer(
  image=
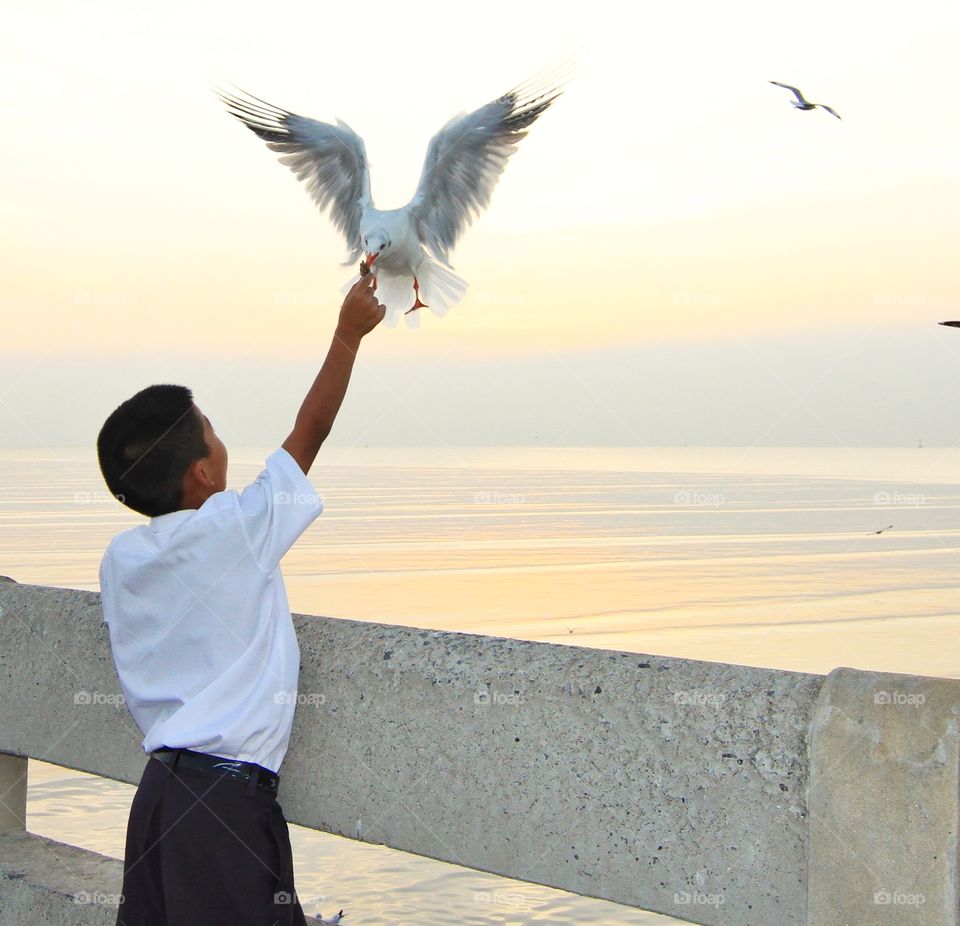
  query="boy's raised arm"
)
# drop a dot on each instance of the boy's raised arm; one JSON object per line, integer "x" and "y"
{"x": 359, "y": 315}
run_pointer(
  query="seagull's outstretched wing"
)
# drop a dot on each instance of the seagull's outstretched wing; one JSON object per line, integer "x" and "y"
{"x": 466, "y": 158}
{"x": 330, "y": 159}
{"x": 832, "y": 112}
{"x": 796, "y": 92}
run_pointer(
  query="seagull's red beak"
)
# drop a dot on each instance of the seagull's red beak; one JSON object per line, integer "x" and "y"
{"x": 370, "y": 259}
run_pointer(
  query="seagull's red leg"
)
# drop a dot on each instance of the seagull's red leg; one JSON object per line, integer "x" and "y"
{"x": 417, "y": 303}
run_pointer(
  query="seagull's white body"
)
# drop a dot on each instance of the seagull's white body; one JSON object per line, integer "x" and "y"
{"x": 406, "y": 249}
{"x": 333, "y": 920}
{"x": 403, "y": 262}
{"x": 800, "y": 103}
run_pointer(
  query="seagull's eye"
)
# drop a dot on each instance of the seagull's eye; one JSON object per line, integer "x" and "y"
{"x": 382, "y": 246}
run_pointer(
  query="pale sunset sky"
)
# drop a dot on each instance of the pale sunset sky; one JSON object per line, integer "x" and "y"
{"x": 673, "y": 254}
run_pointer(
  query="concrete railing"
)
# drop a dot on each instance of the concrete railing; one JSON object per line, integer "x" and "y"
{"x": 718, "y": 794}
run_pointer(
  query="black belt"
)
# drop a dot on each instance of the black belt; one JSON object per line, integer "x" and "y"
{"x": 255, "y": 775}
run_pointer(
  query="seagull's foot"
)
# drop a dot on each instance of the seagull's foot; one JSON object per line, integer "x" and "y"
{"x": 417, "y": 304}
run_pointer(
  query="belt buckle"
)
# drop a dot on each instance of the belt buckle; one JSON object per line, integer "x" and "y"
{"x": 231, "y": 767}
{"x": 255, "y": 777}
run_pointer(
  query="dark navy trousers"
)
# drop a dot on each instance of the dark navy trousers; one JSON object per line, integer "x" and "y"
{"x": 206, "y": 850}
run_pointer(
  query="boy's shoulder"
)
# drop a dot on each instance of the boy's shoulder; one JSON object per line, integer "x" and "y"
{"x": 216, "y": 504}
{"x": 266, "y": 516}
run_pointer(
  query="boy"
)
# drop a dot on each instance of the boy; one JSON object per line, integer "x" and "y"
{"x": 204, "y": 645}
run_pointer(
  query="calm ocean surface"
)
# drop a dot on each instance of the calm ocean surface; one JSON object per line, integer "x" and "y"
{"x": 758, "y": 556}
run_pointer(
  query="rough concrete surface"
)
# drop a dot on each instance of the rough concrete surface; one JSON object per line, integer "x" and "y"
{"x": 669, "y": 784}
{"x": 44, "y": 881}
{"x": 884, "y": 801}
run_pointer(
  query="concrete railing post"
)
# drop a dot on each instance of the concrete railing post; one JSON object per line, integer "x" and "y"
{"x": 13, "y": 793}
{"x": 13, "y": 783}
{"x": 884, "y": 801}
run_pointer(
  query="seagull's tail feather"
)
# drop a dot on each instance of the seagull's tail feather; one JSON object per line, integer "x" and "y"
{"x": 395, "y": 291}
{"x": 440, "y": 288}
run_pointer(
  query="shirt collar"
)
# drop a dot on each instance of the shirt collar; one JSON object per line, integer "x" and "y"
{"x": 165, "y": 522}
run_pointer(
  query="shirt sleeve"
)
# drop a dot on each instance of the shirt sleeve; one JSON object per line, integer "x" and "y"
{"x": 276, "y": 508}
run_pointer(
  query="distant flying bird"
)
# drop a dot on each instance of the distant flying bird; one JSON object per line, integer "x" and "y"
{"x": 882, "y": 529}
{"x": 333, "y": 920}
{"x": 801, "y": 103}
{"x": 951, "y": 324}
{"x": 463, "y": 163}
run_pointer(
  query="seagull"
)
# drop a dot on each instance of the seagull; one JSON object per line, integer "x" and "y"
{"x": 882, "y": 529}
{"x": 801, "y": 103}
{"x": 333, "y": 919}
{"x": 406, "y": 249}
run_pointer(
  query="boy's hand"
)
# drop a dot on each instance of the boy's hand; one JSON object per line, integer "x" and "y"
{"x": 361, "y": 312}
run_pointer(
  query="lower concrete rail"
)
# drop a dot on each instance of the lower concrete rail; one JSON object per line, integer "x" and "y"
{"x": 719, "y": 794}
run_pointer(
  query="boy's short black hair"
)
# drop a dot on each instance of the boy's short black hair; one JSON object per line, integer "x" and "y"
{"x": 146, "y": 446}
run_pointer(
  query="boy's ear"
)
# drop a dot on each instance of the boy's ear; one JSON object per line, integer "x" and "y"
{"x": 201, "y": 472}
{"x": 195, "y": 475}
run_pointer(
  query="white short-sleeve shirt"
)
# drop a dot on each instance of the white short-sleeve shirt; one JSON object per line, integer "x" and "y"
{"x": 200, "y": 628}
